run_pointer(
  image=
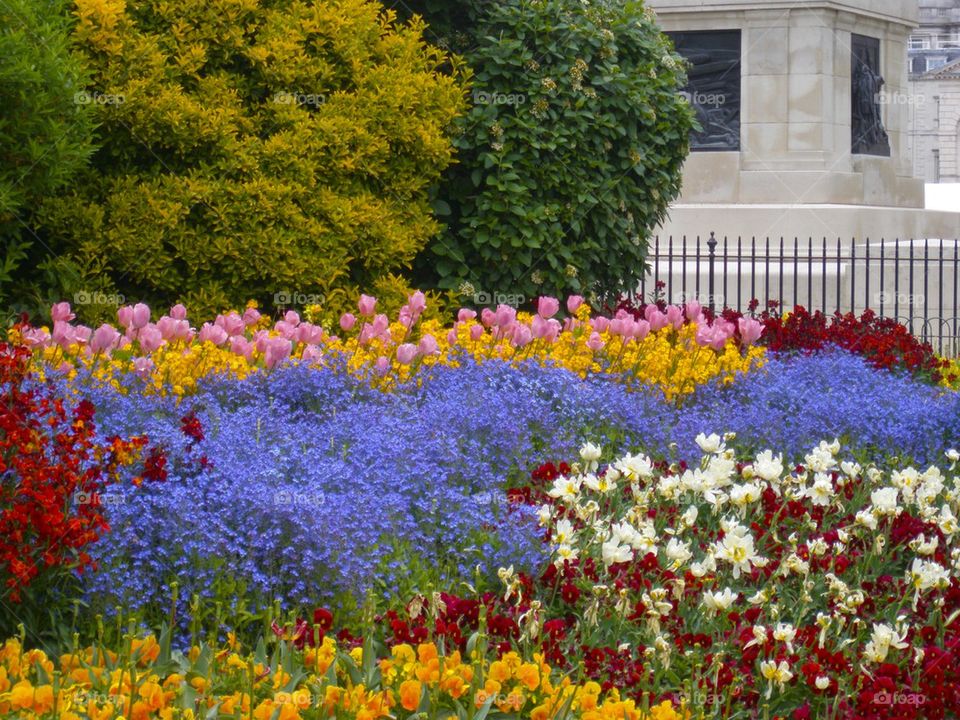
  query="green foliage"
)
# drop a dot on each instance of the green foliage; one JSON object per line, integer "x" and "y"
{"x": 571, "y": 152}
{"x": 255, "y": 150}
{"x": 45, "y": 135}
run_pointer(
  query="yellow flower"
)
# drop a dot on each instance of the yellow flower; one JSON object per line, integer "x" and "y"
{"x": 146, "y": 650}
{"x": 410, "y": 691}
{"x": 499, "y": 671}
{"x": 529, "y": 676}
{"x": 22, "y": 695}
{"x": 152, "y": 695}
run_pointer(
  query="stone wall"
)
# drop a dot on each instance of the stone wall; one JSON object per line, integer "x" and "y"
{"x": 935, "y": 121}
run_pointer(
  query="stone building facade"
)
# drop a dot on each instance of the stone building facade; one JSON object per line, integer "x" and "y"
{"x": 933, "y": 99}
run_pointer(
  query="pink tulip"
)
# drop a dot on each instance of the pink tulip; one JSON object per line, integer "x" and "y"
{"x": 600, "y": 324}
{"x": 595, "y": 342}
{"x": 382, "y": 366}
{"x": 750, "y": 330}
{"x": 105, "y": 338}
{"x": 125, "y": 316}
{"x": 292, "y": 317}
{"x": 260, "y": 340}
{"x": 675, "y": 316}
{"x": 504, "y": 316}
{"x": 539, "y": 327}
{"x": 212, "y": 333}
{"x": 487, "y": 317}
{"x": 366, "y": 335}
{"x": 251, "y": 316}
{"x": 521, "y": 335}
{"x": 64, "y": 334}
{"x": 347, "y": 321}
{"x": 143, "y": 366}
{"x": 184, "y": 331}
{"x": 285, "y": 329}
{"x": 704, "y": 335}
{"x": 141, "y": 315}
{"x": 727, "y": 329}
{"x": 573, "y": 303}
{"x": 719, "y": 340}
{"x": 232, "y": 323}
{"x": 35, "y": 337}
{"x": 367, "y": 305}
{"x": 61, "y": 312}
{"x": 381, "y": 326}
{"x": 658, "y": 320}
{"x": 547, "y": 306}
{"x": 150, "y": 338}
{"x": 641, "y": 328}
{"x": 276, "y": 350}
{"x": 466, "y": 314}
{"x": 715, "y": 336}
{"x": 619, "y": 327}
{"x": 406, "y": 353}
{"x": 417, "y": 303}
{"x": 554, "y": 331}
{"x": 452, "y": 337}
{"x": 167, "y": 327}
{"x": 428, "y": 345}
{"x": 476, "y": 332}
{"x": 312, "y": 354}
{"x": 406, "y": 317}
{"x": 239, "y": 345}
{"x": 178, "y": 312}
{"x": 693, "y": 310}
{"x": 309, "y": 333}
{"x": 83, "y": 333}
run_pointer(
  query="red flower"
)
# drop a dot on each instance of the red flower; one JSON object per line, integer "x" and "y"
{"x": 570, "y": 593}
{"x": 323, "y": 618}
{"x": 55, "y": 471}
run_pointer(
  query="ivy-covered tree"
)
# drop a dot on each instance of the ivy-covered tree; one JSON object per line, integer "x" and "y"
{"x": 571, "y": 152}
{"x": 277, "y": 150}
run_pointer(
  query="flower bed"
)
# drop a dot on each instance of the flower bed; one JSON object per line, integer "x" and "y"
{"x": 823, "y": 589}
{"x": 885, "y": 342}
{"x": 146, "y": 680}
{"x": 386, "y": 474}
{"x": 675, "y": 350}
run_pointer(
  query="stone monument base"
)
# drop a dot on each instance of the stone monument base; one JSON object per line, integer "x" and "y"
{"x": 808, "y": 220}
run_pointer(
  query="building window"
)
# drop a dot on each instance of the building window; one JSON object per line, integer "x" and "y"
{"x": 936, "y": 166}
{"x": 935, "y": 62}
{"x": 947, "y": 41}
{"x": 919, "y": 42}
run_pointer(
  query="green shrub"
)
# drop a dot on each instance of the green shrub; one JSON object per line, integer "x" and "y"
{"x": 45, "y": 135}
{"x": 277, "y": 151}
{"x": 571, "y": 152}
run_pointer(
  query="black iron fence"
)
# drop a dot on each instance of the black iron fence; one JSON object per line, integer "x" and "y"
{"x": 912, "y": 281}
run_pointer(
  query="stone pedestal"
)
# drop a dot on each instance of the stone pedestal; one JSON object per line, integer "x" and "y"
{"x": 795, "y": 173}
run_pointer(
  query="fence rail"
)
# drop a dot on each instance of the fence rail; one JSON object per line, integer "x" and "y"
{"x": 913, "y": 281}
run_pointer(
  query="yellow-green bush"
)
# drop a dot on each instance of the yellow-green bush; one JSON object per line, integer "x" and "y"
{"x": 253, "y": 150}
